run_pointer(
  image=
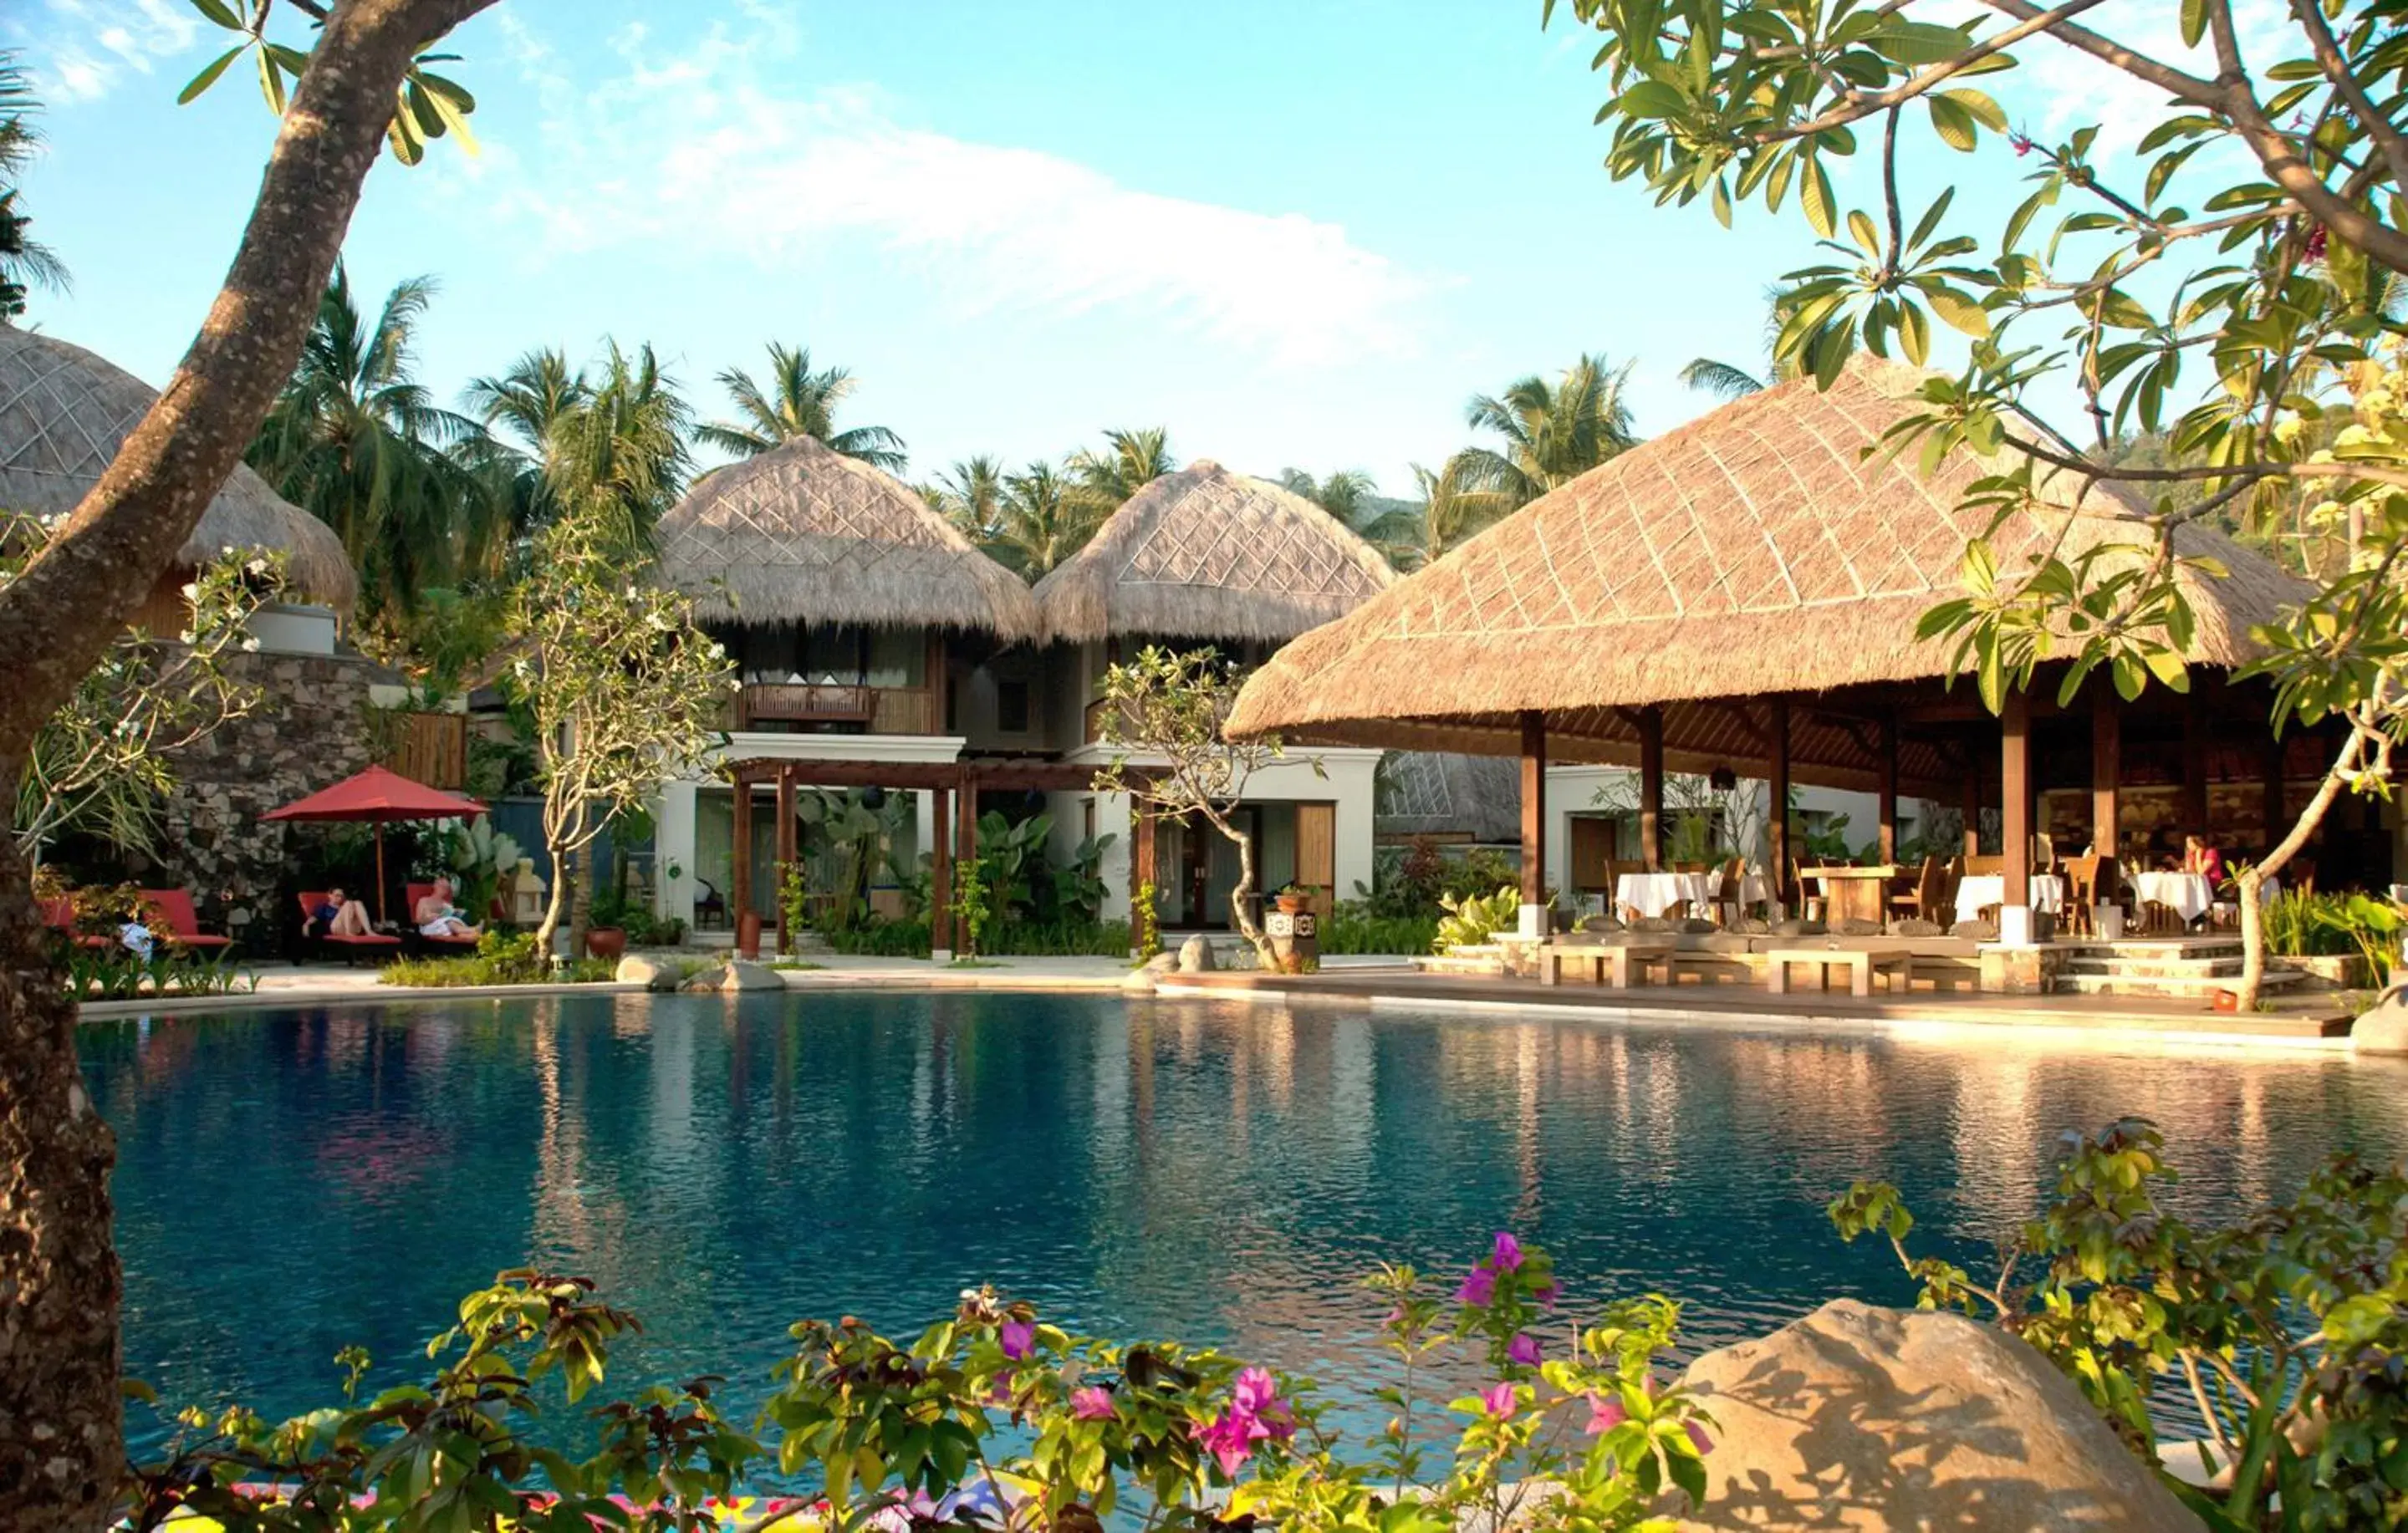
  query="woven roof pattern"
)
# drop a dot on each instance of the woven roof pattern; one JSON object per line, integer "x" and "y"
{"x": 1758, "y": 549}
{"x": 802, "y": 534}
{"x": 64, "y": 410}
{"x": 1207, "y": 553}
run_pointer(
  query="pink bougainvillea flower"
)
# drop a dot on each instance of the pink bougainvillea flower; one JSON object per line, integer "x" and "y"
{"x": 1547, "y": 1293}
{"x": 1698, "y": 1436}
{"x": 1498, "y": 1402}
{"x": 1524, "y": 1349}
{"x": 1257, "y": 1399}
{"x": 1478, "y": 1288}
{"x": 1230, "y": 1438}
{"x": 1507, "y": 1258}
{"x": 1605, "y": 1414}
{"x": 1092, "y": 1404}
{"x": 1019, "y": 1339}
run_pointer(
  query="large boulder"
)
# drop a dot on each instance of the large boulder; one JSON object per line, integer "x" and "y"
{"x": 2382, "y": 1028}
{"x": 1858, "y": 1417}
{"x": 650, "y": 973}
{"x": 1195, "y": 956}
{"x": 703, "y": 980}
{"x": 742, "y": 974}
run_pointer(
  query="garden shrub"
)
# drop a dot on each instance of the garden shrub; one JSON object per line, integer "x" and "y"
{"x": 2300, "y": 925}
{"x": 1473, "y": 918}
{"x": 501, "y": 958}
{"x": 1058, "y": 938}
{"x": 993, "y": 1417}
{"x": 2287, "y": 1332}
{"x": 881, "y": 939}
{"x": 1356, "y": 927}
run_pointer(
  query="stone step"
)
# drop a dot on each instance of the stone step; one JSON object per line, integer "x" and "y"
{"x": 2185, "y": 987}
{"x": 2152, "y": 968}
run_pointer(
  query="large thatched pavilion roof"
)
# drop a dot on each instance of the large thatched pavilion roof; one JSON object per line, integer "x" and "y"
{"x": 802, "y": 534}
{"x": 63, "y": 412}
{"x": 1754, "y": 551}
{"x": 1205, "y": 554}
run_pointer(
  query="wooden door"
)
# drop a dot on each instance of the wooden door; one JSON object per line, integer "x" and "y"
{"x": 1316, "y": 852}
{"x": 1592, "y": 851}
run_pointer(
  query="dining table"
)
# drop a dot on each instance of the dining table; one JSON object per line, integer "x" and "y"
{"x": 1852, "y": 892}
{"x": 1979, "y": 892}
{"x": 1653, "y": 894}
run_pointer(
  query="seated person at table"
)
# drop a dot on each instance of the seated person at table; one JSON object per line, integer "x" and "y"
{"x": 2201, "y": 858}
{"x": 437, "y": 916}
{"x": 338, "y": 917}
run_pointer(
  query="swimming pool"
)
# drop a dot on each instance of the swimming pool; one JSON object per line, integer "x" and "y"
{"x": 291, "y": 1183}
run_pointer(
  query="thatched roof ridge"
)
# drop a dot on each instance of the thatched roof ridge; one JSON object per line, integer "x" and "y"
{"x": 63, "y": 412}
{"x": 803, "y": 533}
{"x": 1755, "y": 550}
{"x": 1205, "y": 554}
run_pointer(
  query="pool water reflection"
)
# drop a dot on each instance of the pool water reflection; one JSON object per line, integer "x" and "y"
{"x": 291, "y": 1183}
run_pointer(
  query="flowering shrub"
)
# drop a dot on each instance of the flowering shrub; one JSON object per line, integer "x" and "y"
{"x": 992, "y": 1417}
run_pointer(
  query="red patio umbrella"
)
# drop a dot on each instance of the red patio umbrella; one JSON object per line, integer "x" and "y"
{"x": 380, "y": 795}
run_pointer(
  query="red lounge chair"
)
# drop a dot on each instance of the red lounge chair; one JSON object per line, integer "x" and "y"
{"x": 351, "y": 947}
{"x": 182, "y": 926}
{"x": 412, "y": 894}
{"x": 61, "y": 914}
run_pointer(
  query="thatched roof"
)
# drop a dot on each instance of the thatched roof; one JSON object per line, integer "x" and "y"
{"x": 802, "y": 534}
{"x": 63, "y": 414}
{"x": 1752, "y": 552}
{"x": 1441, "y": 793}
{"x": 1205, "y": 553}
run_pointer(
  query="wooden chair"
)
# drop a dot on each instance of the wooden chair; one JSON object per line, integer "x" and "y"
{"x": 1922, "y": 898}
{"x": 2043, "y": 857}
{"x": 1945, "y": 903}
{"x": 2081, "y": 891}
{"x": 1796, "y": 897}
{"x": 1983, "y": 866}
{"x": 1726, "y": 903}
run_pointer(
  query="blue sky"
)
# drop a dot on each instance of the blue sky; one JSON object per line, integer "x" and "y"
{"x": 1296, "y": 233}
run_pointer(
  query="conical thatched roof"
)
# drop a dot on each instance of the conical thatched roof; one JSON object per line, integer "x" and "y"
{"x": 63, "y": 414}
{"x": 1440, "y": 793}
{"x": 802, "y": 534}
{"x": 1205, "y": 553}
{"x": 1755, "y": 551}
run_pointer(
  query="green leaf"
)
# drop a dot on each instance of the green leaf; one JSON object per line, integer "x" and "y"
{"x": 1814, "y": 194}
{"x": 1914, "y": 331}
{"x": 2194, "y": 21}
{"x": 1979, "y": 568}
{"x": 209, "y": 76}
{"x": 1930, "y": 219}
{"x": 216, "y": 11}
{"x": 1951, "y": 122}
{"x": 1652, "y": 98}
{"x": 1957, "y": 308}
{"x": 271, "y": 82}
{"x": 1979, "y": 105}
{"x": 1862, "y": 228}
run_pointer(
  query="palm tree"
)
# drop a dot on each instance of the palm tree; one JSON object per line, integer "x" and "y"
{"x": 1449, "y": 512}
{"x": 1725, "y": 380}
{"x": 25, "y": 263}
{"x": 1104, "y": 481}
{"x": 622, "y": 445}
{"x": 1351, "y": 497}
{"x": 1554, "y": 433}
{"x": 1044, "y": 521}
{"x": 970, "y": 495}
{"x": 523, "y": 409}
{"x": 356, "y": 439}
{"x": 797, "y": 402}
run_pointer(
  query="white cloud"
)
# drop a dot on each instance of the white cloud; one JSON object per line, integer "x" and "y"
{"x": 708, "y": 149}
{"x": 2062, "y": 88}
{"x": 80, "y": 49}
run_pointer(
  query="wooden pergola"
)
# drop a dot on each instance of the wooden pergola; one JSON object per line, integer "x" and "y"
{"x": 954, "y": 788}
{"x": 1743, "y": 593}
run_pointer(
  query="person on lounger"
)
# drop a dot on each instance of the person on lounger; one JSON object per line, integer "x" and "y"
{"x": 337, "y": 916}
{"x": 437, "y": 916}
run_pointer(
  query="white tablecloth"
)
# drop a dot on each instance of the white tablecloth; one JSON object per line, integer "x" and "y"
{"x": 1977, "y": 891}
{"x": 2189, "y": 896}
{"x": 1653, "y": 894}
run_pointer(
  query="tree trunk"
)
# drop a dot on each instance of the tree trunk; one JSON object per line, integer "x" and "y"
{"x": 60, "y": 1446}
{"x": 574, "y": 882}
{"x": 2249, "y": 881}
{"x": 2345, "y": 768}
{"x": 1240, "y": 908}
{"x": 556, "y": 905}
{"x": 62, "y": 1454}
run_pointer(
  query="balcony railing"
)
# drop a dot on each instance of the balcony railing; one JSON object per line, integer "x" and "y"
{"x": 875, "y": 711}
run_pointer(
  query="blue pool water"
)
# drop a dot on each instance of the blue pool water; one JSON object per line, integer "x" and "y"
{"x": 291, "y": 1183}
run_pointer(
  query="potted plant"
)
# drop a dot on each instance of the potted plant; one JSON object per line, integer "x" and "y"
{"x": 1293, "y": 898}
{"x": 605, "y": 937}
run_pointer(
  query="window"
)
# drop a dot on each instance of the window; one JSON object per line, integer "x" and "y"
{"x": 1012, "y": 707}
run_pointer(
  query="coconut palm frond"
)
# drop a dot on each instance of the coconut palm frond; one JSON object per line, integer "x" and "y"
{"x": 1720, "y": 378}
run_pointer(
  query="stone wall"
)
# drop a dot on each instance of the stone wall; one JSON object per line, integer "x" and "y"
{"x": 309, "y": 731}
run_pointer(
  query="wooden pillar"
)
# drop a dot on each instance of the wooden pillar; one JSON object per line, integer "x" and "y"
{"x": 2194, "y": 763}
{"x": 1141, "y": 862}
{"x": 786, "y": 850}
{"x": 1534, "y": 809}
{"x": 1970, "y": 807}
{"x": 940, "y": 871}
{"x": 739, "y": 861}
{"x": 2106, "y": 779}
{"x": 2270, "y": 790}
{"x": 1650, "y": 786}
{"x": 2015, "y": 805}
{"x": 1887, "y": 770}
{"x": 1777, "y": 818}
{"x": 965, "y": 848}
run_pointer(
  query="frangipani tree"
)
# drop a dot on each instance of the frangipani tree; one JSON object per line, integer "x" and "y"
{"x": 2232, "y": 286}
{"x": 1164, "y": 710}
{"x": 103, "y": 762}
{"x": 622, "y": 688}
